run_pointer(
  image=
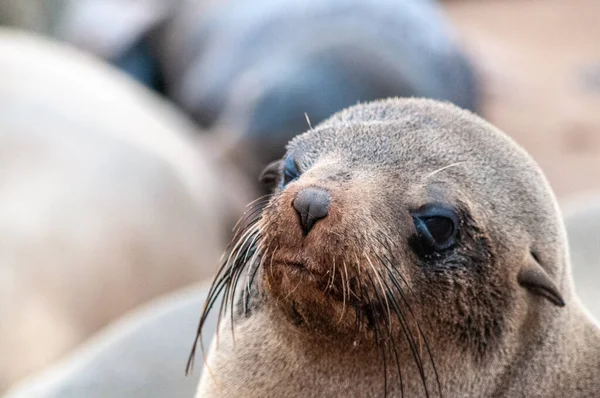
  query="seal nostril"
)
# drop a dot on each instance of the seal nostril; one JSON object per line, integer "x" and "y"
{"x": 312, "y": 204}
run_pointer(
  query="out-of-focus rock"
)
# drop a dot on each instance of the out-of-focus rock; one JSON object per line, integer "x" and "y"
{"x": 106, "y": 200}
{"x": 142, "y": 355}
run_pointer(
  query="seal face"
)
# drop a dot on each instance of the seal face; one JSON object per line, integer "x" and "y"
{"x": 410, "y": 231}
{"x": 393, "y": 243}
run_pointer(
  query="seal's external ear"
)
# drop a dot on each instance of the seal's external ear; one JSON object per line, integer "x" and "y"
{"x": 533, "y": 278}
{"x": 270, "y": 174}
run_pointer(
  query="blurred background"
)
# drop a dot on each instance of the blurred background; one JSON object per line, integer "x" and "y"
{"x": 132, "y": 133}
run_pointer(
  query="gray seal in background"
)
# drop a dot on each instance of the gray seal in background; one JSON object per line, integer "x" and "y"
{"x": 258, "y": 69}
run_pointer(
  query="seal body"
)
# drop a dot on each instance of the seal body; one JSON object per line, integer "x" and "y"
{"x": 136, "y": 356}
{"x": 95, "y": 171}
{"x": 409, "y": 249}
{"x": 257, "y": 70}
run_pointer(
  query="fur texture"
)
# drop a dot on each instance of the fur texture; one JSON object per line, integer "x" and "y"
{"x": 360, "y": 307}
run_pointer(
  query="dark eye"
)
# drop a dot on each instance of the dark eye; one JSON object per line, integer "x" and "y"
{"x": 436, "y": 226}
{"x": 290, "y": 171}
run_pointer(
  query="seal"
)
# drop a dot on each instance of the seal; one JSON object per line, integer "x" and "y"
{"x": 409, "y": 249}
{"x": 118, "y": 357}
{"x": 253, "y": 73}
{"x": 94, "y": 170}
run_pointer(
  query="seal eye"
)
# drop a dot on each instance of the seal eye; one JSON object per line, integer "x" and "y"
{"x": 290, "y": 171}
{"x": 437, "y": 226}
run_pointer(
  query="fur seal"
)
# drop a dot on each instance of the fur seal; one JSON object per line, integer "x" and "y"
{"x": 107, "y": 200}
{"x": 409, "y": 249}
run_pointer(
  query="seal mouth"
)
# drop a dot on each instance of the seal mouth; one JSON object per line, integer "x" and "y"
{"x": 299, "y": 266}
{"x": 295, "y": 265}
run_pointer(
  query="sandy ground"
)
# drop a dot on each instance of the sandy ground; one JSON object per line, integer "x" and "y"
{"x": 539, "y": 61}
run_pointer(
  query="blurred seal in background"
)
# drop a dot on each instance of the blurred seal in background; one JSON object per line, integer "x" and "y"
{"x": 259, "y": 72}
{"x": 107, "y": 200}
{"x": 141, "y": 355}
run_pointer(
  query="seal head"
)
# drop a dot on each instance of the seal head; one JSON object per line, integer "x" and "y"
{"x": 402, "y": 237}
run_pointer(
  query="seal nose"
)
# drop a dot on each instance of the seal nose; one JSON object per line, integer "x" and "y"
{"x": 312, "y": 204}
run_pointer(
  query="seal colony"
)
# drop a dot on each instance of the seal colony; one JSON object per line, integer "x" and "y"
{"x": 411, "y": 249}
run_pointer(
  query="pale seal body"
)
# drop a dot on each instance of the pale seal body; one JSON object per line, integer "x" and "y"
{"x": 137, "y": 356}
{"x": 106, "y": 200}
{"x": 410, "y": 249}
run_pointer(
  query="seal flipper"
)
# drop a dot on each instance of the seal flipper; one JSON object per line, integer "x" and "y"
{"x": 535, "y": 279}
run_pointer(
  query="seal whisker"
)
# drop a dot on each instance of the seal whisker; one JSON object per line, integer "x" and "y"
{"x": 406, "y": 328}
{"x": 250, "y": 215}
{"x": 233, "y": 256}
{"x": 343, "y": 293}
{"x": 235, "y": 265}
{"x": 249, "y": 280}
{"x": 330, "y": 286}
{"x": 250, "y": 276}
{"x": 240, "y": 265}
{"x": 271, "y": 263}
{"x": 410, "y": 338}
{"x": 379, "y": 340}
{"x": 250, "y": 273}
{"x": 443, "y": 168}
{"x": 387, "y": 245}
{"x": 361, "y": 299}
{"x": 401, "y": 292}
{"x": 308, "y": 120}
{"x": 208, "y": 304}
{"x": 391, "y": 276}
{"x": 376, "y": 274}
{"x": 393, "y": 343}
{"x": 294, "y": 289}
{"x": 347, "y": 279}
{"x": 252, "y": 204}
{"x": 222, "y": 284}
{"x": 393, "y": 340}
